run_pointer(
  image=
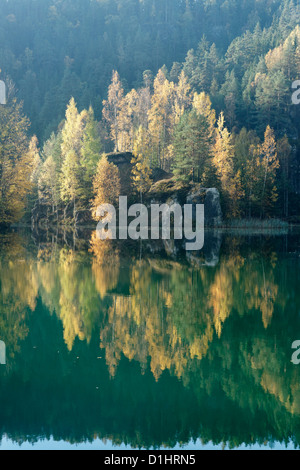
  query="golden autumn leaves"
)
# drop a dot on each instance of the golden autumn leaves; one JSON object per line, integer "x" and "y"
{"x": 17, "y": 161}
{"x": 171, "y": 126}
{"x": 164, "y": 124}
{"x": 147, "y": 321}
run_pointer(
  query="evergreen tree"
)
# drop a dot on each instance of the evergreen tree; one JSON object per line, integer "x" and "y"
{"x": 246, "y": 145}
{"x": 36, "y": 169}
{"x": 112, "y": 108}
{"x": 90, "y": 151}
{"x": 161, "y": 118}
{"x": 141, "y": 172}
{"x": 192, "y": 147}
{"x": 284, "y": 156}
{"x": 17, "y": 162}
{"x": 48, "y": 184}
{"x": 223, "y": 160}
{"x": 268, "y": 166}
{"x": 72, "y": 132}
{"x": 203, "y": 106}
{"x": 72, "y": 173}
{"x": 71, "y": 183}
{"x": 106, "y": 185}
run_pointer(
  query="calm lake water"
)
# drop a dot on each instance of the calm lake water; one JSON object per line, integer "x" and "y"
{"x": 114, "y": 346}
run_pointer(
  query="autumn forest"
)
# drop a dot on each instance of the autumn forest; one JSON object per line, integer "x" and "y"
{"x": 212, "y": 108}
{"x": 137, "y": 343}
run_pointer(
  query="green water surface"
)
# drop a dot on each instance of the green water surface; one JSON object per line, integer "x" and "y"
{"x": 113, "y": 346}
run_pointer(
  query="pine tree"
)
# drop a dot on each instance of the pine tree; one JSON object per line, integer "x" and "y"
{"x": 192, "y": 147}
{"x": 252, "y": 181}
{"x": 36, "y": 170}
{"x": 141, "y": 172}
{"x": 90, "y": 151}
{"x": 17, "y": 162}
{"x": 106, "y": 185}
{"x": 48, "y": 184}
{"x": 72, "y": 133}
{"x": 223, "y": 160}
{"x": 72, "y": 172}
{"x": 272, "y": 100}
{"x": 71, "y": 189}
{"x": 127, "y": 121}
{"x": 246, "y": 144}
{"x": 230, "y": 91}
{"x": 182, "y": 97}
{"x": 112, "y": 108}
{"x": 202, "y": 105}
{"x": 191, "y": 68}
{"x": 284, "y": 156}
{"x": 161, "y": 119}
{"x": 52, "y": 148}
{"x": 268, "y": 166}
{"x": 223, "y": 153}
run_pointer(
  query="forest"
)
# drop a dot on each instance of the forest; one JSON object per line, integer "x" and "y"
{"x": 200, "y": 89}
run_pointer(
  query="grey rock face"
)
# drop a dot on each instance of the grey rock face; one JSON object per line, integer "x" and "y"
{"x": 213, "y": 219}
{"x": 211, "y": 199}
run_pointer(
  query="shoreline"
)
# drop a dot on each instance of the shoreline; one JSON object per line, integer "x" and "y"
{"x": 241, "y": 227}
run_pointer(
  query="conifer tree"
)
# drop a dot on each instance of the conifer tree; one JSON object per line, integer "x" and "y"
{"x": 33, "y": 197}
{"x": 182, "y": 97}
{"x": 90, "y": 151}
{"x": 268, "y": 167}
{"x": 72, "y": 172}
{"x": 223, "y": 159}
{"x": 246, "y": 145}
{"x": 203, "y": 106}
{"x": 48, "y": 184}
{"x": 127, "y": 121}
{"x": 192, "y": 147}
{"x": 112, "y": 108}
{"x": 17, "y": 162}
{"x": 230, "y": 91}
{"x": 223, "y": 153}
{"x": 71, "y": 190}
{"x": 106, "y": 185}
{"x": 141, "y": 172}
{"x": 72, "y": 132}
{"x": 161, "y": 121}
{"x": 284, "y": 156}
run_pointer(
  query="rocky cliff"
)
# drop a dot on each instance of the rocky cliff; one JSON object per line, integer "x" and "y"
{"x": 164, "y": 189}
{"x": 171, "y": 191}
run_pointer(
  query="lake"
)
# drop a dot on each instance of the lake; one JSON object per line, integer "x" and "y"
{"x": 144, "y": 346}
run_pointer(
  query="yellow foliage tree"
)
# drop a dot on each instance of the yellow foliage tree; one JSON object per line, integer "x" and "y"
{"x": 141, "y": 172}
{"x": 112, "y": 107}
{"x": 202, "y": 105}
{"x": 223, "y": 161}
{"x": 17, "y": 157}
{"x": 106, "y": 184}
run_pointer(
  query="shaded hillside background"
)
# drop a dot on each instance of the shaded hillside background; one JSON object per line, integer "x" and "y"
{"x": 53, "y": 50}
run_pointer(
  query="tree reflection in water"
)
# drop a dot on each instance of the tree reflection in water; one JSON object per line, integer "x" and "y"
{"x": 149, "y": 351}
